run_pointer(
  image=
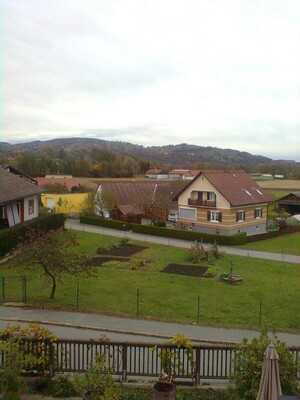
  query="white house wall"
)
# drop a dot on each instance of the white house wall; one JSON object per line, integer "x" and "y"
{"x": 35, "y": 213}
{"x": 203, "y": 185}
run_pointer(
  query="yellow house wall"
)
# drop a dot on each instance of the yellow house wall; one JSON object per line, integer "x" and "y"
{"x": 71, "y": 202}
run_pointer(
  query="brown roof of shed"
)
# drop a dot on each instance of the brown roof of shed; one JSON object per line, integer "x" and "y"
{"x": 68, "y": 182}
{"x": 236, "y": 186}
{"x": 13, "y": 188}
{"x": 127, "y": 192}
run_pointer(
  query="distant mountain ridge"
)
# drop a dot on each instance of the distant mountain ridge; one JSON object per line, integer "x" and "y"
{"x": 169, "y": 154}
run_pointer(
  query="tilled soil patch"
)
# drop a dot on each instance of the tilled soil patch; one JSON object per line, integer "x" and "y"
{"x": 191, "y": 270}
{"x": 103, "y": 259}
{"x": 125, "y": 250}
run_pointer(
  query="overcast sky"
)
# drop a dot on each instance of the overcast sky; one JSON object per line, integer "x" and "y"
{"x": 222, "y": 73}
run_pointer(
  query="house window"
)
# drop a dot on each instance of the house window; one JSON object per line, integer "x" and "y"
{"x": 211, "y": 196}
{"x": 215, "y": 216}
{"x": 240, "y": 216}
{"x": 30, "y": 206}
{"x": 187, "y": 213}
{"x": 258, "y": 213}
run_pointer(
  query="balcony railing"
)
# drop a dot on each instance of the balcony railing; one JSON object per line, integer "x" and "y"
{"x": 202, "y": 203}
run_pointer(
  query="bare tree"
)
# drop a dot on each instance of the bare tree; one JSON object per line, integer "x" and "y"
{"x": 53, "y": 253}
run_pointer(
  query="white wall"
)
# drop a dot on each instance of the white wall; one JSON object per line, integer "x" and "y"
{"x": 35, "y": 213}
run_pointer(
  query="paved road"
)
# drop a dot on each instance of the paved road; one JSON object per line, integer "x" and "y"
{"x": 76, "y": 225}
{"x": 67, "y": 324}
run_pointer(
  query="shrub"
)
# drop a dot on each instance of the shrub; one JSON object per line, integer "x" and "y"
{"x": 197, "y": 253}
{"x": 11, "y": 237}
{"x": 98, "y": 377}
{"x": 248, "y": 366}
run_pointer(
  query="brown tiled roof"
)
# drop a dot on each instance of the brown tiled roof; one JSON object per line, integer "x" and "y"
{"x": 236, "y": 186}
{"x": 13, "y": 188}
{"x": 185, "y": 172}
{"x": 68, "y": 182}
{"x": 129, "y": 193}
{"x": 15, "y": 171}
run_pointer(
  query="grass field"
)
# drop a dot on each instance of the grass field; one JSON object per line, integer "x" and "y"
{"x": 175, "y": 297}
{"x": 286, "y": 244}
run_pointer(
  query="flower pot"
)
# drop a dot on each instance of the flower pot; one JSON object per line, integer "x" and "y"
{"x": 92, "y": 394}
{"x": 164, "y": 391}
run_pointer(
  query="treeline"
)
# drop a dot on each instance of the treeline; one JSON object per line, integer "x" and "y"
{"x": 97, "y": 164}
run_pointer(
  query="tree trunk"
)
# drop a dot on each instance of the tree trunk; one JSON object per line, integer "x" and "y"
{"x": 53, "y": 288}
{"x": 52, "y": 277}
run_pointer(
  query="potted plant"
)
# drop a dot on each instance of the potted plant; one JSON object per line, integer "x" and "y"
{"x": 165, "y": 382}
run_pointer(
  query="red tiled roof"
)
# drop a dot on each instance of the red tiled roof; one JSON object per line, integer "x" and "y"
{"x": 13, "y": 188}
{"x": 184, "y": 172}
{"x": 236, "y": 186}
{"x": 68, "y": 182}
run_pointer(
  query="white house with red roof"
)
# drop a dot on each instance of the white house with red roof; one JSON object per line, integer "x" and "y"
{"x": 19, "y": 198}
{"x": 154, "y": 173}
{"x": 223, "y": 202}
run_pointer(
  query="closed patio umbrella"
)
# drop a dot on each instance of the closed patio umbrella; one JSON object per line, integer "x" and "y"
{"x": 270, "y": 387}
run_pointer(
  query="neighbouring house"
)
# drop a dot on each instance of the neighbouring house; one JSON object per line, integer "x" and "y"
{"x": 65, "y": 203}
{"x": 289, "y": 203}
{"x": 223, "y": 202}
{"x": 71, "y": 184}
{"x": 19, "y": 199}
{"x": 185, "y": 174}
{"x": 154, "y": 173}
{"x": 15, "y": 171}
{"x": 127, "y": 195}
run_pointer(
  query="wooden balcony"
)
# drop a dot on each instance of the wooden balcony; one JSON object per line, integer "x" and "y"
{"x": 202, "y": 203}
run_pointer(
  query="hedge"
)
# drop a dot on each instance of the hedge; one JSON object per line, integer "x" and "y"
{"x": 10, "y": 237}
{"x": 108, "y": 223}
{"x": 232, "y": 240}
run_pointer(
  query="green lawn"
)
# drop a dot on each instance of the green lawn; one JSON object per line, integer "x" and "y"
{"x": 175, "y": 297}
{"x": 286, "y": 244}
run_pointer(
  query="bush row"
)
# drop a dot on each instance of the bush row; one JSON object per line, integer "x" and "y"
{"x": 236, "y": 239}
{"x": 107, "y": 223}
{"x": 10, "y": 237}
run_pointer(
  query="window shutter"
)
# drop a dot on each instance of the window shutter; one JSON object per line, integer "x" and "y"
{"x": 237, "y": 217}
{"x": 254, "y": 213}
{"x": 220, "y": 217}
{"x": 244, "y": 216}
{"x": 208, "y": 215}
{"x": 261, "y": 213}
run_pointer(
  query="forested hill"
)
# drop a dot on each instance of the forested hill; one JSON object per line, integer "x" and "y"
{"x": 170, "y": 154}
{"x": 96, "y": 157}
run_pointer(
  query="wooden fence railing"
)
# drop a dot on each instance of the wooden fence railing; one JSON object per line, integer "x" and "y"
{"x": 135, "y": 359}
